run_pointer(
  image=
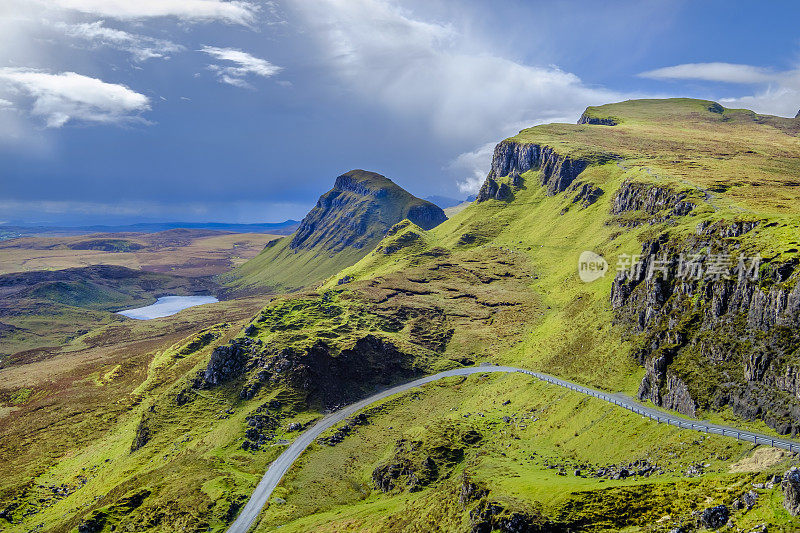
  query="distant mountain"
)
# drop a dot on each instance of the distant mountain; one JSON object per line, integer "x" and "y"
{"x": 346, "y": 224}
{"x": 443, "y": 201}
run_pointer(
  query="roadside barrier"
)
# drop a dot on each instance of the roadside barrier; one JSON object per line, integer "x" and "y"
{"x": 665, "y": 418}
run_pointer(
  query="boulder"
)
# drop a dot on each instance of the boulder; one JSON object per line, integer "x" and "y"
{"x": 715, "y": 517}
{"x": 791, "y": 492}
{"x": 749, "y": 499}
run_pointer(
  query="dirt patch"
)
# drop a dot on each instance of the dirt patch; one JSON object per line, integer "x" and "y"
{"x": 760, "y": 460}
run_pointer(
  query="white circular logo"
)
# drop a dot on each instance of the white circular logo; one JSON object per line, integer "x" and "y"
{"x": 591, "y": 266}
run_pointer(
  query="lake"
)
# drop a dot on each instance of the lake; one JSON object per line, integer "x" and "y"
{"x": 166, "y": 306}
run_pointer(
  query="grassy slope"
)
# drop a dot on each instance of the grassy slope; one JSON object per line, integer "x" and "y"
{"x": 574, "y": 337}
{"x": 64, "y": 416}
{"x": 332, "y": 489}
{"x": 279, "y": 268}
{"x": 753, "y": 158}
{"x": 194, "y": 466}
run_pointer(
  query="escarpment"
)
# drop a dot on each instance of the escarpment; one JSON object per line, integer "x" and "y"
{"x": 587, "y": 118}
{"x": 714, "y": 326}
{"x": 557, "y": 171}
{"x": 650, "y": 198}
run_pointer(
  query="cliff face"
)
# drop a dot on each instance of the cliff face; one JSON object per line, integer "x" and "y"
{"x": 587, "y": 118}
{"x": 558, "y": 171}
{"x": 720, "y": 340}
{"x": 638, "y": 196}
{"x": 358, "y": 212}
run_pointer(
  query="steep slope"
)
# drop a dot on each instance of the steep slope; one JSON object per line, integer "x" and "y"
{"x": 347, "y": 222}
{"x": 499, "y": 283}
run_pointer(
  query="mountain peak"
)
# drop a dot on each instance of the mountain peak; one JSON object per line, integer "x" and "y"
{"x": 358, "y": 210}
{"x": 346, "y": 224}
{"x": 363, "y": 182}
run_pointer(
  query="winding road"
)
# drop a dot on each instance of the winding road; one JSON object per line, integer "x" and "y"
{"x": 281, "y": 465}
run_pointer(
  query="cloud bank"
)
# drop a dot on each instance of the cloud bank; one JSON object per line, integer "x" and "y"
{"x": 443, "y": 75}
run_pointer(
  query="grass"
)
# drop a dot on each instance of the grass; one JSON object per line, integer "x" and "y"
{"x": 331, "y": 488}
{"x": 497, "y": 282}
{"x": 279, "y": 268}
{"x": 752, "y": 158}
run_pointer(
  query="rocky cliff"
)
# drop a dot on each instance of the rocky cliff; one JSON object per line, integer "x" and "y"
{"x": 715, "y": 327}
{"x": 557, "y": 171}
{"x": 358, "y": 212}
{"x": 712, "y": 328}
{"x": 588, "y": 118}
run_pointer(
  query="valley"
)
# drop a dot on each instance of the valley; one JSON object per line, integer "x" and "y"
{"x": 113, "y": 424}
{"x": 183, "y": 252}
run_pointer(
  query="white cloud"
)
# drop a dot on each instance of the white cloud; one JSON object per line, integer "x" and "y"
{"x": 234, "y": 12}
{"x": 430, "y": 70}
{"x": 141, "y": 47}
{"x": 723, "y": 72}
{"x": 778, "y": 91}
{"x": 244, "y": 65}
{"x": 61, "y": 98}
{"x": 441, "y": 75}
{"x": 473, "y": 166}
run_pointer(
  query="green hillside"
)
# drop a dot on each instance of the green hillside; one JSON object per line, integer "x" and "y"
{"x": 663, "y": 180}
{"x": 347, "y": 222}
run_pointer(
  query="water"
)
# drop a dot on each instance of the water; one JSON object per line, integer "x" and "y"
{"x": 166, "y": 306}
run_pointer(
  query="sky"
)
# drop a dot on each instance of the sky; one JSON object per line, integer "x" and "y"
{"x": 122, "y": 111}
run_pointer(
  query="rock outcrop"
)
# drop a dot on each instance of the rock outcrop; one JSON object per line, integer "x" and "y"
{"x": 710, "y": 338}
{"x": 586, "y": 118}
{"x": 587, "y": 193}
{"x": 227, "y": 361}
{"x": 715, "y": 517}
{"x": 512, "y": 158}
{"x": 791, "y": 491}
{"x": 651, "y": 199}
{"x": 333, "y": 376}
{"x": 493, "y": 190}
{"x": 359, "y": 210}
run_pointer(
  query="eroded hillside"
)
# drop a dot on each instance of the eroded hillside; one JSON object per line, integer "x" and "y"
{"x": 633, "y": 183}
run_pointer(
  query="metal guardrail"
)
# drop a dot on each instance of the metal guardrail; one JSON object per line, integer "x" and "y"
{"x": 662, "y": 418}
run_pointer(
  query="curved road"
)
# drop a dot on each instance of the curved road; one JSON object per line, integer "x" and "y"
{"x": 281, "y": 465}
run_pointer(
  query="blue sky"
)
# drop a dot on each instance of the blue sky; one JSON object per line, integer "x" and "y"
{"x": 115, "y": 111}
